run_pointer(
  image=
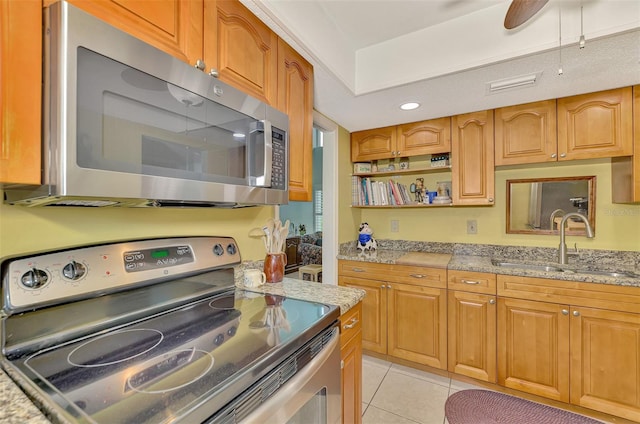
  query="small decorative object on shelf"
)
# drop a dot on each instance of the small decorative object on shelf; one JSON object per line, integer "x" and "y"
{"x": 361, "y": 167}
{"x": 417, "y": 189}
{"x": 404, "y": 163}
{"x": 440, "y": 160}
{"x": 302, "y": 230}
{"x": 374, "y": 166}
{"x": 365, "y": 238}
{"x": 443, "y": 193}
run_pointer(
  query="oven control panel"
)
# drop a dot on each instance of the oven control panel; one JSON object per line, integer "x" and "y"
{"x": 53, "y": 278}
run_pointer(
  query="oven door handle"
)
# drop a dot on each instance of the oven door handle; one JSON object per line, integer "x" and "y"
{"x": 296, "y": 392}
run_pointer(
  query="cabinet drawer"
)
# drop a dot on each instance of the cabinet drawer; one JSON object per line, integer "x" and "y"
{"x": 474, "y": 282}
{"x": 416, "y": 275}
{"x": 350, "y": 324}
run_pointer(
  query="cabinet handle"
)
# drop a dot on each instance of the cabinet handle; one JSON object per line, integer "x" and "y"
{"x": 576, "y": 313}
{"x": 490, "y": 199}
{"x": 563, "y": 155}
{"x": 417, "y": 275}
{"x": 352, "y": 323}
{"x": 383, "y": 286}
{"x": 553, "y": 155}
{"x": 213, "y": 72}
{"x": 357, "y": 270}
{"x": 470, "y": 281}
{"x": 492, "y": 301}
{"x": 565, "y": 312}
{"x": 200, "y": 64}
{"x": 388, "y": 286}
{"x": 341, "y": 364}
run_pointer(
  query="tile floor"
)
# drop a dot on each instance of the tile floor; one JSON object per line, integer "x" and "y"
{"x": 395, "y": 394}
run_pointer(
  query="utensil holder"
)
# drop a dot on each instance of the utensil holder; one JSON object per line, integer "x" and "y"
{"x": 274, "y": 264}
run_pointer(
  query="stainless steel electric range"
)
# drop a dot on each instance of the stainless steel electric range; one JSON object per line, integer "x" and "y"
{"x": 154, "y": 331}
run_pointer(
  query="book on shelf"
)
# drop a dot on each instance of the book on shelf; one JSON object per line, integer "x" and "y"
{"x": 367, "y": 192}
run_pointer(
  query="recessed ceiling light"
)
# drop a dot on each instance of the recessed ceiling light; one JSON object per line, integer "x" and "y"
{"x": 409, "y": 106}
{"x": 238, "y": 135}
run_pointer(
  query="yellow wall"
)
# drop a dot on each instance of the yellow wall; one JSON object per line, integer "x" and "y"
{"x": 617, "y": 226}
{"x": 26, "y": 230}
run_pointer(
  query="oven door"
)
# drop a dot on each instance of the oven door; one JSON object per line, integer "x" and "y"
{"x": 312, "y": 396}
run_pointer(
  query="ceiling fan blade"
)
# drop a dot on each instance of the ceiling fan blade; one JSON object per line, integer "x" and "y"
{"x": 522, "y": 10}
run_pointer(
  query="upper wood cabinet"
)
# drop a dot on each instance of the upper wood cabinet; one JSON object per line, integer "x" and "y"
{"x": 625, "y": 171}
{"x": 247, "y": 51}
{"x": 596, "y": 125}
{"x": 412, "y": 139}
{"x": 20, "y": 85}
{"x": 295, "y": 98}
{"x": 526, "y": 133}
{"x": 472, "y": 159}
{"x": 174, "y": 26}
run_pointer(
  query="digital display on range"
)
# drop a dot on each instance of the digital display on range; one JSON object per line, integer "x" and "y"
{"x": 159, "y": 254}
{"x": 142, "y": 260}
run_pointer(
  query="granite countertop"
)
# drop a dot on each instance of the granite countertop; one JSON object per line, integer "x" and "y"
{"x": 344, "y": 297}
{"x": 466, "y": 258}
{"x": 17, "y": 408}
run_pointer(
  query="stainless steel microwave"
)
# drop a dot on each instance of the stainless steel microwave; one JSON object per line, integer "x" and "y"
{"x": 126, "y": 124}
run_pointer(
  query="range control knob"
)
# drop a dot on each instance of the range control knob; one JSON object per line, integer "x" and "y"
{"x": 218, "y": 250}
{"x": 34, "y": 278}
{"x": 74, "y": 270}
{"x": 218, "y": 340}
{"x": 232, "y": 249}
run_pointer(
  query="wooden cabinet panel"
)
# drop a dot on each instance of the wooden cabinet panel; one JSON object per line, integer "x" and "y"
{"x": 174, "y": 26}
{"x": 374, "y": 312}
{"x": 595, "y": 125}
{"x": 379, "y": 143}
{"x": 526, "y": 133}
{"x": 625, "y": 171}
{"x": 533, "y": 347}
{"x": 351, "y": 364}
{"x": 605, "y": 364}
{"x": 424, "y": 138}
{"x": 295, "y": 98}
{"x": 417, "y": 324}
{"x": 247, "y": 51}
{"x": 20, "y": 95}
{"x": 472, "y": 335}
{"x": 472, "y": 162}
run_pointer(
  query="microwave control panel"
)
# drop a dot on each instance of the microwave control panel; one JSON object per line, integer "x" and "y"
{"x": 279, "y": 160}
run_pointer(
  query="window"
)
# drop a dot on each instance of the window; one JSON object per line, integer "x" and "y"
{"x": 317, "y": 210}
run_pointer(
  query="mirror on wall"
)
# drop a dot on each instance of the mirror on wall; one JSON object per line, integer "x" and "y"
{"x": 536, "y": 205}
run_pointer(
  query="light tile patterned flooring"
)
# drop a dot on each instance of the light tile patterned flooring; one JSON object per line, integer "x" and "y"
{"x": 395, "y": 394}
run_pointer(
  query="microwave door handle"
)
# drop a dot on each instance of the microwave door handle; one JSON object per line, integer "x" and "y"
{"x": 263, "y": 129}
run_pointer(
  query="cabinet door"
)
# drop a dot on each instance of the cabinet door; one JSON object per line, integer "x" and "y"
{"x": 625, "y": 171}
{"x": 526, "y": 133}
{"x": 595, "y": 125}
{"x": 374, "y": 312}
{"x": 291, "y": 249}
{"x": 20, "y": 95}
{"x": 379, "y": 143}
{"x": 533, "y": 347}
{"x": 174, "y": 26}
{"x": 247, "y": 51}
{"x": 351, "y": 364}
{"x": 605, "y": 361}
{"x": 295, "y": 98}
{"x": 472, "y": 169}
{"x": 424, "y": 138}
{"x": 418, "y": 324}
{"x": 472, "y": 335}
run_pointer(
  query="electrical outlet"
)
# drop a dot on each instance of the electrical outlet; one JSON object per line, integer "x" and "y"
{"x": 472, "y": 226}
{"x": 395, "y": 226}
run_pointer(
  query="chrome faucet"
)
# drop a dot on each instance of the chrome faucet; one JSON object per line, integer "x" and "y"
{"x": 562, "y": 249}
{"x": 553, "y": 217}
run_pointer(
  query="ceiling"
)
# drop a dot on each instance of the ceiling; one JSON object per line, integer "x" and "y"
{"x": 370, "y": 56}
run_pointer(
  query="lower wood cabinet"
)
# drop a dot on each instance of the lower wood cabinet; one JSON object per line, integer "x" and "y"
{"x": 472, "y": 325}
{"x": 405, "y": 320}
{"x": 351, "y": 363}
{"x": 572, "y": 342}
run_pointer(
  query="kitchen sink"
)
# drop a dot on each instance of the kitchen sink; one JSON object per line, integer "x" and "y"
{"x": 532, "y": 267}
{"x": 557, "y": 268}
